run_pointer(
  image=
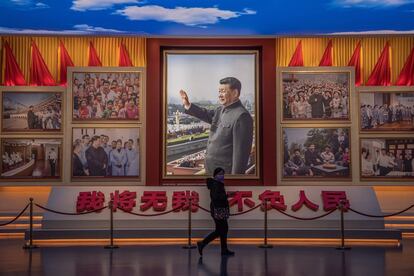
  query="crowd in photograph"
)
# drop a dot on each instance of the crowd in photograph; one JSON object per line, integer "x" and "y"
{"x": 97, "y": 156}
{"x": 374, "y": 116}
{"x": 12, "y": 160}
{"x": 303, "y": 161}
{"x": 311, "y": 99}
{"x": 106, "y": 96}
{"x": 49, "y": 117}
{"x": 176, "y": 131}
{"x": 192, "y": 160}
{"x": 383, "y": 162}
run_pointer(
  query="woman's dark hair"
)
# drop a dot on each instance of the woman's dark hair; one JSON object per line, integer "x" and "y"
{"x": 217, "y": 171}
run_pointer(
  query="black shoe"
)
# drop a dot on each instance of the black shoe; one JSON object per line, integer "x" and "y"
{"x": 227, "y": 253}
{"x": 200, "y": 248}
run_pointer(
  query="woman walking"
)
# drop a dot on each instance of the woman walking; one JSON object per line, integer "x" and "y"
{"x": 219, "y": 209}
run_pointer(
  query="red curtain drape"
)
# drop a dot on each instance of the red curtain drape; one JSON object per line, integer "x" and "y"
{"x": 381, "y": 74}
{"x": 124, "y": 59}
{"x": 406, "y": 76}
{"x": 327, "y": 55}
{"x": 12, "y": 73}
{"x": 297, "y": 58}
{"x": 39, "y": 73}
{"x": 65, "y": 61}
{"x": 356, "y": 62}
{"x": 93, "y": 56}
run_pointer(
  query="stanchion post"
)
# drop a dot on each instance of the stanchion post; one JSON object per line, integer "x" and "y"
{"x": 341, "y": 207}
{"x": 189, "y": 244}
{"x": 265, "y": 244}
{"x": 30, "y": 245}
{"x": 111, "y": 216}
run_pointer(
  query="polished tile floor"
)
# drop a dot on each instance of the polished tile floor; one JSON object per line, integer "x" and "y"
{"x": 151, "y": 260}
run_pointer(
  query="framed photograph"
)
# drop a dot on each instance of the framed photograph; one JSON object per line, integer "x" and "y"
{"x": 106, "y": 154}
{"x": 378, "y": 161}
{"x": 211, "y": 114}
{"x": 31, "y": 159}
{"x": 386, "y": 109}
{"x": 32, "y": 109}
{"x": 106, "y": 94}
{"x": 315, "y": 94}
{"x": 316, "y": 153}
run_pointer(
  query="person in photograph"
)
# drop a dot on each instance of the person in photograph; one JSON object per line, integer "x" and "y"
{"x": 385, "y": 164}
{"x": 118, "y": 159}
{"x": 366, "y": 164}
{"x": 408, "y": 163}
{"x": 231, "y": 133}
{"x": 131, "y": 110}
{"x": 316, "y": 100}
{"x": 312, "y": 157}
{"x": 299, "y": 168}
{"x": 96, "y": 157}
{"x": 336, "y": 105}
{"x": 52, "y": 158}
{"x": 346, "y": 159}
{"x": 327, "y": 156}
{"x": 132, "y": 165}
{"x": 77, "y": 166}
{"x": 31, "y": 118}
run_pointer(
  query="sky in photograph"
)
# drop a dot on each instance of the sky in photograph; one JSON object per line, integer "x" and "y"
{"x": 199, "y": 75}
{"x": 206, "y": 17}
{"x": 28, "y": 99}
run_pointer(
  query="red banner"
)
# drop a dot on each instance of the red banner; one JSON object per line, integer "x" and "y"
{"x": 93, "y": 56}
{"x": 12, "y": 73}
{"x": 406, "y": 76}
{"x": 381, "y": 75}
{"x": 356, "y": 62}
{"x": 124, "y": 59}
{"x": 65, "y": 61}
{"x": 39, "y": 73}
{"x": 327, "y": 55}
{"x": 297, "y": 58}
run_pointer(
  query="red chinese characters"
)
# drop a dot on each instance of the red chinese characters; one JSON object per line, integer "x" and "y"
{"x": 272, "y": 199}
{"x": 124, "y": 201}
{"x": 240, "y": 198}
{"x": 331, "y": 199}
{"x": 155, "y": 199}
{"x": 89, "y": 201}
{"x": 303, "y": 200}
{"x": 181, "y": 201}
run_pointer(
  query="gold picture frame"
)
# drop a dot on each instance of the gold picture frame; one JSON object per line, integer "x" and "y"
{"x": 199, "y": 174}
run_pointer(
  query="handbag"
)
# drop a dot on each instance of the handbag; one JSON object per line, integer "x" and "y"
{"x": 221, "y": 213}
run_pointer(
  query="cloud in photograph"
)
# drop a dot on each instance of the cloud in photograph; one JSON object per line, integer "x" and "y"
{"x": 193, "y": 16}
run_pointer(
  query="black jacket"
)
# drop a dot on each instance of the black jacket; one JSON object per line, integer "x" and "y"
{"x": 218, "y": 194}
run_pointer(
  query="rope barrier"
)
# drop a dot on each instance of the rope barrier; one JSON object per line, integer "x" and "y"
{"x": 247, "y": 211}
{"x": 151, "y": 215}
{"x": 380, "y": 216}
{"x": 70, "y": 214}
{"x": 311, "y": 218}
{"x": 17, "y": 217}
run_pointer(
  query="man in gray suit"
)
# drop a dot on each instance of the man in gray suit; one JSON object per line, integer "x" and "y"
{"x": 231, "y": 132}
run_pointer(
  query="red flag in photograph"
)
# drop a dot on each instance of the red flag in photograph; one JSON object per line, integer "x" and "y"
{"x": 381, "y": 75}
{"x": 356, "y": 62}
{"x": 327, "y": 55}
{"x": 65, "y": 61}
{"x": 297, "y": 58}
{"x": 93, "y": 56}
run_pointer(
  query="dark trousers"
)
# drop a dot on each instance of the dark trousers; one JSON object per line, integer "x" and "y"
{"x": 221, "y": 231}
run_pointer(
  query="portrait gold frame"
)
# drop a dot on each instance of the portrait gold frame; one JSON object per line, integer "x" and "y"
{"x": 314, "y": 179}
{"x": 257, "y": 138}
{"x": 131, "y": 180}
{"x": 314, "y": 70}
{"x": 39, "y": 180}
{"x": 34, "y": 89}
{"x": 386, "y": 90}
{"x": 114, "y": 70}
{"x": 384, "y": 179}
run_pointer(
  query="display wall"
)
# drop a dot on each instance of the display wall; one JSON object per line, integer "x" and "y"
{"x": 273, "y": 55}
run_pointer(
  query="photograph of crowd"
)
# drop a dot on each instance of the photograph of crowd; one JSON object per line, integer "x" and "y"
{"x": 106, "y": 95}
{"x": 105, "y": 152}
{"x": 312, "y": 95}
{"x": 385, "y": 111}
{"x": 31, "y": 158}
{"x": 387, "y": 157}
{"x": 31, "y": 111}
{"x": 210, "y": 114}
{"x": 316, "y": 152}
